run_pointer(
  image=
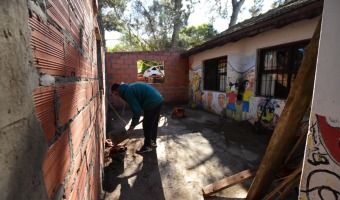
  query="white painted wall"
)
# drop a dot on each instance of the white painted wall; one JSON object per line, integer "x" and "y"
{"x": 241, "y": 54}
{"x": 242, "y": 58}
{"x": 327, "y": 80}
{"x": 321, "y": 169}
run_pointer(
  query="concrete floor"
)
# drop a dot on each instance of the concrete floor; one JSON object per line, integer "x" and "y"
{"x": 192, "y": 152}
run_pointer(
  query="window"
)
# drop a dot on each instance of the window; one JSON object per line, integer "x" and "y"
{"x": 150, "y": 71}
{"x": 278, "y": 67}
{"x": 215, "y": 74}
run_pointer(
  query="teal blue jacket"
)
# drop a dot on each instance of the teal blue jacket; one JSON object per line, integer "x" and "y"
{"x": 140, "y": 96}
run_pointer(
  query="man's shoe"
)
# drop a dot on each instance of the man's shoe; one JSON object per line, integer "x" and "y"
{"x": 153, "y": 143}
{"x": 144, "y": 149}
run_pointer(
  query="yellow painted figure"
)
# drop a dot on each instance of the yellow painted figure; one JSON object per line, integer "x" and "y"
{"x": 266, "y": 114}
{"x": 210, "y": 106}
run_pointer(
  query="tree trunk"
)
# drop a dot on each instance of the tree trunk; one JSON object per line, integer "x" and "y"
{"x": 177, "y": 24}
{"x": 236, "y": 10}
{"x": 100, "y": 23}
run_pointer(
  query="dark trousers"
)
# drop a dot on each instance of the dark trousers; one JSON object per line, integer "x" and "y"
{"x": 150, "y": 124}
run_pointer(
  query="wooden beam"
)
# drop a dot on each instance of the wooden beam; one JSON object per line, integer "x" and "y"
{"x": 299, "y": 144}
{"x": 284, "y": 136}
{"x": 289, "y": 187}
{"x": 228, "y": 182}
{"x": 289, "y": 180}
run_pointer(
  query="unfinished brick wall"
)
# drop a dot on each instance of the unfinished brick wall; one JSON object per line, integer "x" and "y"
{"x": 69, "y": 101}
{"x": 122, "y": 67}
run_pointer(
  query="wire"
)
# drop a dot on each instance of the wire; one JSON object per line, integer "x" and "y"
{"x": 116, "y": 111}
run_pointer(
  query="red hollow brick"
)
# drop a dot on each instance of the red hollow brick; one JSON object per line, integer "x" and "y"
{"x": 56, "y": 164}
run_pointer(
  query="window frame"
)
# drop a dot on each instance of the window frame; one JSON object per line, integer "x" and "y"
{"x": 218, "y": 68}
{"x": 288, "y": 70}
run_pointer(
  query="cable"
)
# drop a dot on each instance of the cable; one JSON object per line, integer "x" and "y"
{"x": 116, "y": 111}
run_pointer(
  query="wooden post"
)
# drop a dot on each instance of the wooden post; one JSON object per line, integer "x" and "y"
{"x": 283, "y": 137}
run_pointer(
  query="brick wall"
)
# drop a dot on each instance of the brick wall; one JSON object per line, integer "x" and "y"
{"x": 70, "y": 104}
{"x": 122, "y": 67}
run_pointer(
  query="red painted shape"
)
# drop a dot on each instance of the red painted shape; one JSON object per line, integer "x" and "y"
{"x": 330, "y": 136}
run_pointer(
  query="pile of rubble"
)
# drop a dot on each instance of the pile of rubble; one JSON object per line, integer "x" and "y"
{"x": 113, "y": 150}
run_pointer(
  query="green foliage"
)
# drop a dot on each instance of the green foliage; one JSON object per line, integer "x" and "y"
{"x": 278, "y": 3}
{"x": 110, "y": 12}
{"x": 196, "y": 35}
{"x": 148, "y": 25}
{"x": 188, "y": 38}
{"x": 155, "y": 24}
{"x": 143, "y": 65}
{"x": 256, "y": 9}
{"x": 161, "y": 24}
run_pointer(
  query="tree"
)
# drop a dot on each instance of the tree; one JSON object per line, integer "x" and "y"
{"x": 148, "y": 25}
{"x": 162, "y": 21}
{"x": 178, "y": 23}
{"x": 221, "y": 7}
{"x": 109, "y": 15}
{"x": 111, "y": 11}
{"x": 278, "y": 3}
{"x": 156, "y": 25}
{"x": 236, "y": 6}
{"x": 196, "y": 35}
{"x": 256, "y": 9}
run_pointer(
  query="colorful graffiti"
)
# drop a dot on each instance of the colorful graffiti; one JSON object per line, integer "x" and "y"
{"x": 231, "y": 104}
{"x": 238, "y": 101}
{"x": 196, "y": 87}
{"x": 222, "y": 102}
{"x": 231, "y": 95}
{"x": 321, "y": 174}
{"x": 265, "y": 113}
{"x": 210, "y": 104}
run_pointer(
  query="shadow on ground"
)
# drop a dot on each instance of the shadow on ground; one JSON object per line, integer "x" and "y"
{"x": 192, "y": 152}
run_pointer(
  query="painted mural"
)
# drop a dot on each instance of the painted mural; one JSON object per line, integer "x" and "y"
{"x": 266, "y": 112}
{"x": 197, "y": 95}
{"x": 238, "y": 101}
{"x": 321, "y": 174}
{"x": 231, "y": 94}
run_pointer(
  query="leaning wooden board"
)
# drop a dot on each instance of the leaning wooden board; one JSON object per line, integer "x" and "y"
{"x": 229, "y": 181}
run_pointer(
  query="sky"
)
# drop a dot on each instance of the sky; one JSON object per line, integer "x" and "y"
{"x": 201, "y": 16}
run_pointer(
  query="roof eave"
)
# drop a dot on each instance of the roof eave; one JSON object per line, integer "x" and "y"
{"x": 308, "y": 12}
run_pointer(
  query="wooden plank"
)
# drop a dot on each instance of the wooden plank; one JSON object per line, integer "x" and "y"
{"x": 289, "y": 188}
{"x": 283, "y": 137}
{"x": 283, "y": 183}
{"x": 299, "y": 144}
{"x": 229, "y": 181}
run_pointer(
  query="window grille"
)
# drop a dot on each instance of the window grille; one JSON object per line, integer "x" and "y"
{"x": 215, "y": 74}
{"x": 278, "y": 67}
